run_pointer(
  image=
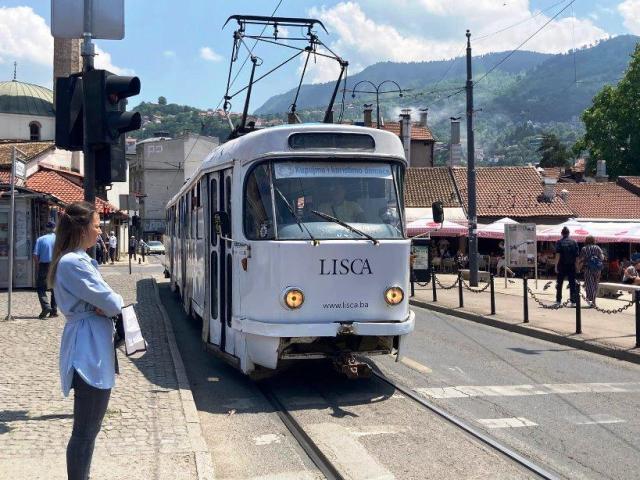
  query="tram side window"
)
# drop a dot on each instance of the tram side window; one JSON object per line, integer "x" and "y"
{"x": 194, "y": 213}
{"x": 213, "y": 207}
{"x": 258, "y": 211}
{"x": 187, "y": 214}
{"x": 200, "y": 214}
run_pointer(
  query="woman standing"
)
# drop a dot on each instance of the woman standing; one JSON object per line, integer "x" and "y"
{"x": 592, "y": 259}
{"x": 87, "y": 355}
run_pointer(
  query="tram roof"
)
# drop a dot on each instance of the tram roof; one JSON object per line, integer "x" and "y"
{"x": 274, "y": 141}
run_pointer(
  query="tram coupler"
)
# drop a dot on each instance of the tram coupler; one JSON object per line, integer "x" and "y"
{"x": 348, "y": 364}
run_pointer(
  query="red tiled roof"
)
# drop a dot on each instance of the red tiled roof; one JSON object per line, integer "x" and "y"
{"x": 418, "y": 132}
{"x": 54, "y": 183}
{"x": 630, "y": 183}
{"x": 601, "y": 200}
{"x": 30, "y": 149}
{"x": 423, "y": 186}
{"x": 509, "y": 192}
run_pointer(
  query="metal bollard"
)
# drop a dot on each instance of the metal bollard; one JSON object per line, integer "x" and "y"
{"x": 460, "y": 289}
{"x": 413, "y": 288}
{"x": 526, "y": 300}
{"x": 433, "y": 285}
{"x": 637, "y": 299}
{"x": 493, "y": 295}
{"x": 578, "y": 310}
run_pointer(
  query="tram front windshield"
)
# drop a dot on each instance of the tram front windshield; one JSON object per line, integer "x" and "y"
{"x": 300, "y": 200}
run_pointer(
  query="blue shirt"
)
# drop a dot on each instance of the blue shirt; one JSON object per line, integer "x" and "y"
{"x": 87, "y": 339}
{"x": 44, "y": 247}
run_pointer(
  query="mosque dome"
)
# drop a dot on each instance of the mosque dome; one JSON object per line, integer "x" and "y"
{"x": 26, "y": 99}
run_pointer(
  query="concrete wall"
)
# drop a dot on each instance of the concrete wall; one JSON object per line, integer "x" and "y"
{"x": 421, "y": 154}
{"x": 16, "y": 127}
{"x": 196, "y": 149}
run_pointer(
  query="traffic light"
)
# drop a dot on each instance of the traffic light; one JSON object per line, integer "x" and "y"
{"x": 105, "y": 97}
{"x": 69, "y": 103}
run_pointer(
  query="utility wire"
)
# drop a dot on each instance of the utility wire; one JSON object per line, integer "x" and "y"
{"x": 504, "y": 29}
{"x": 506, "y": 57}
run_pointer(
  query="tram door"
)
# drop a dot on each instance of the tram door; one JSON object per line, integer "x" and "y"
{"x": 219, "y": 285}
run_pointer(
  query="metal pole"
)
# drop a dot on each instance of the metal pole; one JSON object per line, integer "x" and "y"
{"x": 526, "y": 299}
{"x": 493, "y": 294}
{"x": 378, "y": 107}
{"x": 637, "y": 299}
{"x": 433, "y": 284}
{"x": 12, "y": 213}
{"x": 471, "y": 175}
{"x": 578, "y": 310}
{"x": 461, "y": 300}
{"x": 413, "y": 288}
{"x": 88, "y": 52}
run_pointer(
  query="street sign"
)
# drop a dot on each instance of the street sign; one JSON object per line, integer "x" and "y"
{"x": 67, "y": 19}
{"x": 20, "y": 170}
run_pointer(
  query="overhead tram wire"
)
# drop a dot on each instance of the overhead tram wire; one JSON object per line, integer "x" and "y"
{"x": 504, "y": 29}
{"x": 250, "y": 53}
{"x": 506, "y": 57}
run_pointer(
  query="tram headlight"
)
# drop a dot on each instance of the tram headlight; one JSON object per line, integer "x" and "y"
{"x": 393, "y": 295}
{"x": 293, "y": 298}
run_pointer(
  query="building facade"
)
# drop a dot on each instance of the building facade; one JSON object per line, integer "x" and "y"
{"x": 156, "y": 173}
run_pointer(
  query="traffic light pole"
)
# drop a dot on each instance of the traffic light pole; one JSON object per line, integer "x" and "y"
{"x": 471, "y": 175}
{"x": 88, "y": 52}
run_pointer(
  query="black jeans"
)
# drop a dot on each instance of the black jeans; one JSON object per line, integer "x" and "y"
{"x": 41, "y": 286}
{"x": 89, "y": 407}
{"x": 570, "y": 273}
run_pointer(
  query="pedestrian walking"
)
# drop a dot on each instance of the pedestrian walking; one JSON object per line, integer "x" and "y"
{"x": 87, "y": 354}
{"x": 566, "y": 255}
{"x": 592, "y": 260}
{"x": 133, "y": 245}
{"x": 42, "y": 256}
{"x": 142, "y": 245}
{"x": 113, "y": 244}
{"x": 101, "y": 250}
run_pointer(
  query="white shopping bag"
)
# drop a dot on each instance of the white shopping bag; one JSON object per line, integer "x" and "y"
{"x": 133, "y": 341}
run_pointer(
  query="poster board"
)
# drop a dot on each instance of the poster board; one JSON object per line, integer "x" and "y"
{"x": 421, "y": 270}
{"x": 520, "y": 245}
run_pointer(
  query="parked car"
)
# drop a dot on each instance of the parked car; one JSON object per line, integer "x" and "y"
{"x": 155, "y": 247}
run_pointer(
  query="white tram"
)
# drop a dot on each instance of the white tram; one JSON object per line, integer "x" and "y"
{"x": 289, "y": 243}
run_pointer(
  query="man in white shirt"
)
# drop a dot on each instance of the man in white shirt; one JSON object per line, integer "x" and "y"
{"x": 113, "y": 243}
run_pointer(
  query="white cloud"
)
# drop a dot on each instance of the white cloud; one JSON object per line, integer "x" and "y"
{"x": 363, "y": 41}
{"x": 630, "y": 11}
{"x": 208, "y": 54}
{"x": 169, "y": 53}
{"x": 102, "y": 61}
{"x": 24, "y": 35}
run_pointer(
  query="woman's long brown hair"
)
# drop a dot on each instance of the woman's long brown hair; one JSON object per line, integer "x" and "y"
{"x": 72, "y": 226}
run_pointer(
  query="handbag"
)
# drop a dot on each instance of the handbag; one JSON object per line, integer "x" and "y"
{"x": 127, "y": 331}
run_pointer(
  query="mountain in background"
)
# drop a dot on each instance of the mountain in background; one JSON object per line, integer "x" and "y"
{"x": 412, "y": 75}
{"x": 540, "y": 87}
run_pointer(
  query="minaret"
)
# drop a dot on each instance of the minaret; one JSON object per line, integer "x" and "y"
{"x": 67, "y": 60}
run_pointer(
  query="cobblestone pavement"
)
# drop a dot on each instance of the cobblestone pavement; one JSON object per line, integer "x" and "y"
{"x": 145, "y": 434}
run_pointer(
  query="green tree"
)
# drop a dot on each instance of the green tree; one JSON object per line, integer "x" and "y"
{"x": 612, "y": 124}
{"x": 554, "y": 154}
{"x": 162, "y": 100}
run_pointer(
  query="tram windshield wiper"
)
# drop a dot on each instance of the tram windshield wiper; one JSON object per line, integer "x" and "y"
{"x": 295, "y": 217}
{"x": 345, "y": 225}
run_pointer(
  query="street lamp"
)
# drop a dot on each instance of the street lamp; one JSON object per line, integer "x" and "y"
{"x": 377, "y": 92}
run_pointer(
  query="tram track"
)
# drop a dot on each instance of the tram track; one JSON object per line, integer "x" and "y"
{"x": 502, "y": 449}
{"x": 330, "y": 470}
{"x": 315, "y": 454}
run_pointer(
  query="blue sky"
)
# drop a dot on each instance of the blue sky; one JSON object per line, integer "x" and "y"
{"x": 179, "y": 49}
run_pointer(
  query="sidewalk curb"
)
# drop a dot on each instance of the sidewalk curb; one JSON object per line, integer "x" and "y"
{"x": 204, "y": 463}
{"x": 569, "y": 340}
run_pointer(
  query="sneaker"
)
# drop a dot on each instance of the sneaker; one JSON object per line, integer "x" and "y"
{"x": 53, "y": 314}
{"x": 44, "y": 313}
{"x": 572, "y": 305}
{"x": 556, "y": 304}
